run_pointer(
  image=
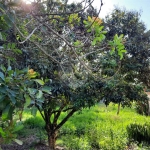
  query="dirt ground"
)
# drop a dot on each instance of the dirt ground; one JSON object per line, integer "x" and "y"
{"x": 29, "y": 143}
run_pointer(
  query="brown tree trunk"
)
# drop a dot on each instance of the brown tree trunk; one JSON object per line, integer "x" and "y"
{"x": 118, "y": 109}
{"x": 52, "y": 141}
{"x": 52, "y": 135}
{"x": 149, "y": 107}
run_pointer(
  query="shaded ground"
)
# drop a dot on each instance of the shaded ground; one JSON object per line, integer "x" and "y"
{"x": 29, "y": 143}
{"x": 32, "y": 140}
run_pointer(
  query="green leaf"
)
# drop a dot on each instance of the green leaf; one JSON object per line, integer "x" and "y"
{"x": 3, "y": 68}
{"x": 9, "y": 45}
{"x": 18, "y": 141}
{"x": 27, "y": 99}
{"x": 5, "y": 46}
{"x": 39, "y": 94}
{"x": 94, "y": 42}
{"x": 46, "y": 89}
{"x": 104, "y": 32}
{"x": 77, "y": 43}
{"x": 10, "y": 72}
{"x": 121, "y": 36}
{"x": 5, "y": 112}
{"x": 11, "y": 92}
{"x": 89, "y": 30}
{"x": 123, "y": 51}
{"x": 34, "y": 111}
{"x": 85, "y": 22}
{"x": 121, "y": 55}
{"x": 9, "y": 68}
{"x": 2, "y": 97}
{"x": 17, "y": 51}
{"x": 13, "y": 45}
{"x": 41, "y": 100}
{"x": 11, "y": 17}
{"x": 3, "y": 89}
{"x": 8, "y": 21}
{"x": 1, "y": 38}
{"x": 41, "y": 82}
{"x": 32, "y": 91}
{"x": 10, "y": 113}
{"x": 2, "y": 133}
{"x": 12, "y": 98}
{"x": 120, "y": 47}
{"x": 18, "y": 128}
{"x": 8, "y": 79}
{"x": 2, "y": 76}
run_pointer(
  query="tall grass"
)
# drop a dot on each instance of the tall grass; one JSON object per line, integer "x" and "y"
{"x": 96, "y": 128}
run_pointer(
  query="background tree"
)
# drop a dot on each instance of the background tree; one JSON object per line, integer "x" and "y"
{"x": 53, "y": 40}
{"x": 133, "y": 72}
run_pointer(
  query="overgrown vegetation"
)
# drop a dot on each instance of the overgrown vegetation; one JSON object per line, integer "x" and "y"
{"x": 73, "y": 59}
{"x": 91, "y": 129}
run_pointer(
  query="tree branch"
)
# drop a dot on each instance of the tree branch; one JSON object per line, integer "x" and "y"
{"x": 65, "y": 119}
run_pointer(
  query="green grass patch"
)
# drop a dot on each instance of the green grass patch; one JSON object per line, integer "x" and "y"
{"x": 96, "y": 128}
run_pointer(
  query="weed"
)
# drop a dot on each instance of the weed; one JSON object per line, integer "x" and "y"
{"x": 92, "y": 129}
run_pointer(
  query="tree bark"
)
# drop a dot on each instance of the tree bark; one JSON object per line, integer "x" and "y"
{"x": 52, "y": 140}
{"x": 118, "y": 109}
{"x": 52, "y": 135}
{"x": 149, "y": 107}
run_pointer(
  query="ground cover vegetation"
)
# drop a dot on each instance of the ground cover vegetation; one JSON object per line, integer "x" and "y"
{"x": 96, "y": 128}
{"x": 63, "y": 58}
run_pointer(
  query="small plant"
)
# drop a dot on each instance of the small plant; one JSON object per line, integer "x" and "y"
{"x": 8, "y": 132}
{"x": 76, "y": 143}
{"x": 35, "y": 122}
{"x": 142, "y": 107}
{"x": 139, "y": 132}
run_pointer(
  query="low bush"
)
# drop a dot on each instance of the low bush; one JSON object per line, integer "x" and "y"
{"x": 142, "y": 107}
{"x": 139, "y": 132}
{"x": 34, "y": 122}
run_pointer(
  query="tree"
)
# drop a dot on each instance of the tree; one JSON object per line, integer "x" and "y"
{"x": 64, "y": 43}
{"x": 133, "y": 73}
{"x": 136, "y": 42}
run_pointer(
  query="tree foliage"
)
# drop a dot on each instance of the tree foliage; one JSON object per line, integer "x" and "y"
{"x": 78, "y": 62}
{"x": 133, "y": 71}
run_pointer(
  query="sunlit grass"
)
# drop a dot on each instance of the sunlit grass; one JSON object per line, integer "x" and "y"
{"x": 99, "y": 122}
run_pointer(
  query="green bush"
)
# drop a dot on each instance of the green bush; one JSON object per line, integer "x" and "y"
{"x": 72, "y": 142}
{"x": 139, "y": 132}
{"x": 35, "y": 122}
{"x": 142, "y": 107}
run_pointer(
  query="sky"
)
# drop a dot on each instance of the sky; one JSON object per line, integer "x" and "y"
{"x": 142, "y": 6}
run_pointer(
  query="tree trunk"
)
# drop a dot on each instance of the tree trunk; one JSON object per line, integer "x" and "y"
{"x": 149, "y": 107}
{"x": 118, "y": 109}
{"x": 52, "y": 141}
{"x": 52, "y": 135}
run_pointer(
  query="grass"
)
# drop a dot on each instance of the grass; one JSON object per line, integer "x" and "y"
{"x": 92, "y": 129}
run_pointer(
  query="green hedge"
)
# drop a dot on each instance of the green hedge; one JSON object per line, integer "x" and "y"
{"x": 139, "y": 132}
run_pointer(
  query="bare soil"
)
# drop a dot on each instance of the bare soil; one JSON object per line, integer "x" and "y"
{"x": 30, "y": 142}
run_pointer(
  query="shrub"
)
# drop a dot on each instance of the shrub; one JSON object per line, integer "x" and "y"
{"x": 73, "y": 142}
{"x": 139, "y": 132}
{"x": 142, "y": 107}
{"x": 35, "y": 122}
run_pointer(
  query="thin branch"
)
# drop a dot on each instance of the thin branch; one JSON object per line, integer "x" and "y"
{"x": 28, "y": 37}
{"x": 52, "y": 58}
{"x": 96, "y": 16}
{"x": 40, "y": 112}
{"x": 65, "y": 119}
{"x": 66, "y": 13}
